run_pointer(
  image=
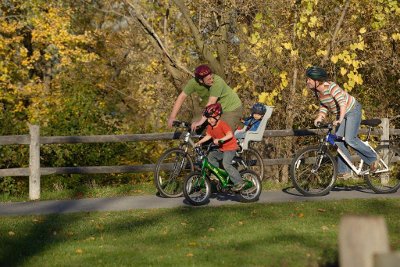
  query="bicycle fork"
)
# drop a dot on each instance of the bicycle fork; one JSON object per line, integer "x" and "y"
{"x": 320, "y": 156}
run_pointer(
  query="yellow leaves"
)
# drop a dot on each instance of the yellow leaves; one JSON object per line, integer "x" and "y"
{"x": 312, "y": 22}
{"x": 356, "y": 77}
{"x": 359, "y": 46}
{"x": 294, "y": 53}
{"x": 11, "y": 233}
{"x": 334, "y": 59}
{"x": 396, "y": 36}
{"x": 322, "y": 52}
{"x": 254, "y": 38}
{"x": 304, "y": 92}
{"x": 284, "y": 80}
{"x": 79, "y": 251}
{"x": 312, "y": 34}
{"x": 362, "y": 30}
{"x": 287, "y": 46}
{"x": 343, "y": 71}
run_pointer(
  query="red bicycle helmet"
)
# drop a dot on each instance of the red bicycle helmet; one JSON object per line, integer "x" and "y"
{"x": 212, "y": 110}
{"x": 202, "y": 71}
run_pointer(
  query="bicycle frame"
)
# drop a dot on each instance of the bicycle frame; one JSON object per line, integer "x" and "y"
{"x": 221, "y": 174}
{"x": 332, "y": 138}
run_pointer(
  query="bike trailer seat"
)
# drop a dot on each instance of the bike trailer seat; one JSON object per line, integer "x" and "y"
{"x": 259, "y": 133}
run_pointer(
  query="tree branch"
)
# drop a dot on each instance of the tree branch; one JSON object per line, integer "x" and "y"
{"x": 330, "y": 46}
{"x": 216, "y": 65}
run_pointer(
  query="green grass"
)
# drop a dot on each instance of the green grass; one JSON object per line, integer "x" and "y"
{"x": 286, "y": 234}
{"x": 87, "y": 191}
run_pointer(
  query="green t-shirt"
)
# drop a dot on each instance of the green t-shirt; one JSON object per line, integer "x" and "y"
{"x": 226, "y": 96}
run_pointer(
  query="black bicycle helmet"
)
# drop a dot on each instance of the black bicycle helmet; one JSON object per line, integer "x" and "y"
{"x": 317, "y": 73}
{"x": 258, "y": 108}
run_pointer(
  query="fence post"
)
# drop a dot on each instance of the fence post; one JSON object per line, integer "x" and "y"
{"x": 385, "y": 129}
{"x": 360, "y": 239}
{"x": 34, "y": 162}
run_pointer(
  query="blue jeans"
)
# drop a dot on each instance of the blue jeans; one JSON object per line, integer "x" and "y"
{"x": 226, "y": 157}
{"x": 349, "y": 129}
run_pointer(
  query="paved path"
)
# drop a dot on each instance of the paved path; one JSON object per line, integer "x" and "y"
{"x": 152, "y": 202}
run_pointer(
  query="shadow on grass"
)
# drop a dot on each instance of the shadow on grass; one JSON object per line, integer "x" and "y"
{"x": 265, "y": 230}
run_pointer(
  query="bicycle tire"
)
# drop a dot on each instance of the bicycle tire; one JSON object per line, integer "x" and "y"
{"x": 386, "y": 182}
{"x": 197, "y": 189}
{"x": 170, "y": 184}
{"x": 307, "y": 181}
{"x": 253, "y": 161}
{"x": 252, "y": 191}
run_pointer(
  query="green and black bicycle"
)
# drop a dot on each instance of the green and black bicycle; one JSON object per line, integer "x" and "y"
{"x": 197, "y": 185}
{"x": 176, "y": 163}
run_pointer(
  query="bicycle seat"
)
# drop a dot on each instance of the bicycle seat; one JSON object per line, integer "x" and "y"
{"x": 259, "y": 133}
{"x": 371, "y": 122}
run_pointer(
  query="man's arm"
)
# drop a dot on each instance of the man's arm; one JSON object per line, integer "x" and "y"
{"x": 177, "y": 106}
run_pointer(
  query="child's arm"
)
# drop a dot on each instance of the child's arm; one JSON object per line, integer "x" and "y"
{"x": 227, "y": 137}
{"x": 203, "y": 140}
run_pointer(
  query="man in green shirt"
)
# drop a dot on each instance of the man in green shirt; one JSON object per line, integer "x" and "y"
{"x": 211, "y": 89}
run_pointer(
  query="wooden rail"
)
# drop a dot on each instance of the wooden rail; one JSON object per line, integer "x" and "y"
{"x": 34, "y": 140}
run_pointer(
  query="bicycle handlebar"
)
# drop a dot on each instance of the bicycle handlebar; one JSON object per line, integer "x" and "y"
{"x": 321, "y": 125}
{"x": 181, "y": 124}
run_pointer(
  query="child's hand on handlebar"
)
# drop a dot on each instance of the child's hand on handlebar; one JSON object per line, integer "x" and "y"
{"x": 219, "y": 141}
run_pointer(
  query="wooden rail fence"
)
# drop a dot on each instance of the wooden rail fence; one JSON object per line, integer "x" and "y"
{"x": 34, "y": 140}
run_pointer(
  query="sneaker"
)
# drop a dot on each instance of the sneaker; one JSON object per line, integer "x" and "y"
{"x": 373, "y": 167}
{"x": 213, "y": 178}
{"x": 345, "y": 176}
{"x": 237, "y": 187}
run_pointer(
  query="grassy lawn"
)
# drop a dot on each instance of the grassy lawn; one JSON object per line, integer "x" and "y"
{"x": 85, "y": 191}
{"x": 286, "y": 234}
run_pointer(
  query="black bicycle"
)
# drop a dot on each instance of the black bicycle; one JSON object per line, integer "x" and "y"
{"x": 177, "y": 163}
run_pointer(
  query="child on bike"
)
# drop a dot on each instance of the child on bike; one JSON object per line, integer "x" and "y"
{"x": 252, "y": 122}
{"x": 222, "y": 135}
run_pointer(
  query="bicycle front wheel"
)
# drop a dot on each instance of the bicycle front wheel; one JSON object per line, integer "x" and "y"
{"x": 313, "y": 172}
{"x": 197, "y": 189}
{"x": 171, "y": 169}
{"x": 385, "y": 180}
{"x": 252, "y": 161}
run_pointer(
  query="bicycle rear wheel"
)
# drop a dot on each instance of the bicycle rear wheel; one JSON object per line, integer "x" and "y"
{"x": 252, "y": 190}
{"x": 382, "y": 181}
{"x": 313, "y": 173}
{"x": 171, "y": 169}
{"x": 252, "y": 161}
